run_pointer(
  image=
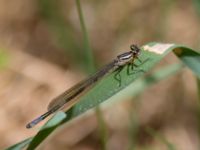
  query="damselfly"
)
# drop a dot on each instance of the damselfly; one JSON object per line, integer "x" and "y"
{"x": 70, "y": 97}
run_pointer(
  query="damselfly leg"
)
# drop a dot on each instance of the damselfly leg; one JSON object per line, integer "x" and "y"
{"x": 132, "y": 68}
{"x": 117, "y": 75}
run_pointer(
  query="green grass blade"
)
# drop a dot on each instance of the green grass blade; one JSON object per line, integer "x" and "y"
{"x": 138, "y": 86}
{"x": 88, "y": 55}
{"x": 151, "y": 54}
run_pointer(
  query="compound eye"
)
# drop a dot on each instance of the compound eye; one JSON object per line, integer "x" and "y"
{"x": 133, "y": 47}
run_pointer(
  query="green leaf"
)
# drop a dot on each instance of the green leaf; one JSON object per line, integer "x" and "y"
{"x": 151, "y": 54}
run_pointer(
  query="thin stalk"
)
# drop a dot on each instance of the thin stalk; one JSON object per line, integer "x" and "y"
{"x": 87, "y": 49}
{"x": 102, "y": 128}
{"x": 134, "y": 123}
{"x": 91, "y": 68}
{"x": 133, "y": 130}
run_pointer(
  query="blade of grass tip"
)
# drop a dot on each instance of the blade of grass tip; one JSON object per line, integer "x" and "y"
{"x": 55, "y": 121}
{"x": 91, "y": 68}
{"x": 160, "y": 137}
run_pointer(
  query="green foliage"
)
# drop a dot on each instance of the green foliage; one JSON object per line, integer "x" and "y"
{"x": 151, "y": 54}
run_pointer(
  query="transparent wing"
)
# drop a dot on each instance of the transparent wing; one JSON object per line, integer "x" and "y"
{"x": 70, "y": 97}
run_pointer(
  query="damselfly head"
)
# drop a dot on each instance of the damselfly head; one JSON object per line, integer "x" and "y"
{"x": 135, "y": 49}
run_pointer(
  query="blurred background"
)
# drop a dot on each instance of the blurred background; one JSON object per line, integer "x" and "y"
{"x": 42, "y": 53}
